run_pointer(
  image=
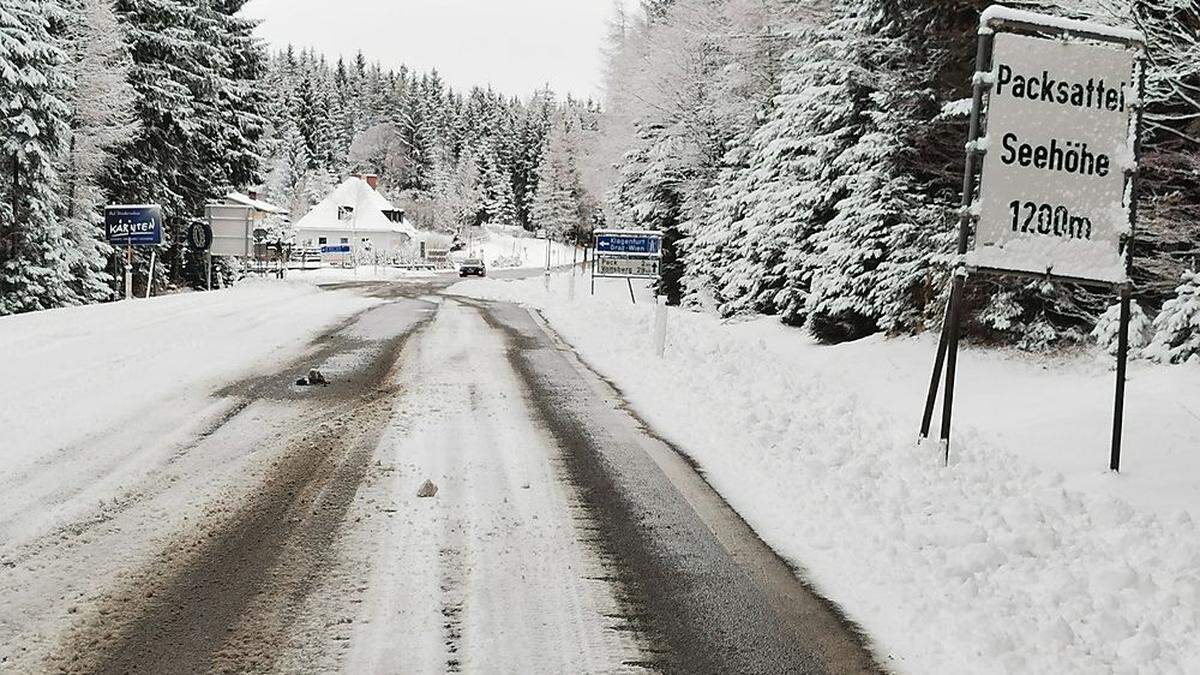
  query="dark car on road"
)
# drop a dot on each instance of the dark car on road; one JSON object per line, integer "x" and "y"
{"x": 472, "y": 266}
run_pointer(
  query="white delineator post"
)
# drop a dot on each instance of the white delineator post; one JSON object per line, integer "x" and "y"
{"x": 660, "y": 329}
{"x": 128, "y": 271}
{"x": 546, "y": 276}
{"x": 150, "y": 275}
{"x": 571, "y": 287}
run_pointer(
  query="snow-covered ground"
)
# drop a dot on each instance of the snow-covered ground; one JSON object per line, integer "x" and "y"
{"x": 511, "y": 248}
{"x": 326, "y": 275}
{"x": 73, "y": 374}
{"x": 1024, "y": 555}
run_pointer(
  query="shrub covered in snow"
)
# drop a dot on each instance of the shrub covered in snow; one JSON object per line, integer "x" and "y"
{"x": 1141, "y": 330}
{"x": 1177, "y": 326}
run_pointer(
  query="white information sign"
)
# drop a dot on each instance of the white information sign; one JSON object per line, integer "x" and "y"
{"x": 627, "y": 267}
{"x": 232, "y": 229}
{"x": 1054, "y": 192}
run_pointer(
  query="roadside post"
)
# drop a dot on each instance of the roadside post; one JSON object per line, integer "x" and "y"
{"x": 546, "y": 276}
{"x": 1050, "y": 185}
{"x": 660, "y": 327}
{"x": 132, "y": 225}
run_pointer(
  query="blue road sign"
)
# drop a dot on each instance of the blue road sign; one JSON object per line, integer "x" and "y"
{"x": 635, "y": 243}
{"x": 139, "y": 225}
{"x": 337, "y": 248}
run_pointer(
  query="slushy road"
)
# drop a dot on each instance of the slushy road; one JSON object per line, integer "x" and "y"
{"x": 286, "y": 534}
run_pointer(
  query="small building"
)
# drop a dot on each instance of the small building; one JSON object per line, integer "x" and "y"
{"x": 274, "y": 219}
{"x": 356, "y": 215}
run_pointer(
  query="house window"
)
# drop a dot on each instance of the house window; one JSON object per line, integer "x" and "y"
{"x": 345, "y": 240}
{"x": 345, "y": 212}
{"x": 321, "y": 241}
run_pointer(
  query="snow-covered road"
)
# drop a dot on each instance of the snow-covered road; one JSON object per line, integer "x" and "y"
{"x": 267, "y": 527}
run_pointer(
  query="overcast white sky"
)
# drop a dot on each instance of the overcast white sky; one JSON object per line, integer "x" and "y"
{"x": 514, "y": 45}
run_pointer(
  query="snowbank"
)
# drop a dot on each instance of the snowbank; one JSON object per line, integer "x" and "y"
{"x": 511, "y": 248}
{"x": 71, "y": 373}
{"x": 1024, "y": 555}
{"x": 325, "y": 275}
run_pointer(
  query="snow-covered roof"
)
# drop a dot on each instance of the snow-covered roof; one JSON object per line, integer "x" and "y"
{"x": 368, "y": 215}
{"x": 256, "y": 204}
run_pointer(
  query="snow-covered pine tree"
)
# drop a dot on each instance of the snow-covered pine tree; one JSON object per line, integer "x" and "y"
{"x": 791, "y": 182}
{"x": 556, "y": 204}
{"x": 102, "y": 119}
{"x": 869, "y": 257}
{"x": 458, "y": 197}
{"x": 34, "y": 252}
{"x": 1177, "y": 326}
{"x": 313, "y": 117}
{"x": 534, "y": 126}
{"x": 241, "y": 98}
{"x": 163, "y": 164}
{"x": 499, "y": 203}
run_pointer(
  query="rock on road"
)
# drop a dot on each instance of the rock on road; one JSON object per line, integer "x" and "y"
{"x": 286, "y": 535}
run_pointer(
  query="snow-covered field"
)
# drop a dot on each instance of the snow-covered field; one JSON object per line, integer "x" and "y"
{"x": 509, "y": 248}
{"x": 1024, "y": 555}
{"x": 72, "y": 374}
{"x": 326, "y": 275}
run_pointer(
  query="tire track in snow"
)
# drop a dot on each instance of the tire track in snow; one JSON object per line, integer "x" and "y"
{"x": 219, "y": 597}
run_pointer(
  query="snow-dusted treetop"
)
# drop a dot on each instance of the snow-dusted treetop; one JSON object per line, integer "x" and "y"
{"x": 1000, "y": 13}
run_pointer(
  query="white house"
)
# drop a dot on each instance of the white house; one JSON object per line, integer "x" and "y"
{"x": 356, "y": 215}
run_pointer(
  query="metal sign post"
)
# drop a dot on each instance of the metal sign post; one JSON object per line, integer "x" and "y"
{"x": 1055, "y": 155}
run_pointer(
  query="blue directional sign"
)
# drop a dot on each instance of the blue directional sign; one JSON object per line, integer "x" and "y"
{"x": 133, "y": 225}
{"x": 336, "y": 248}
{"x": 632, "y": 243}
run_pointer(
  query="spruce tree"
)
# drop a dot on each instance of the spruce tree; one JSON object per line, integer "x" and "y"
{"x": 102, "y": 119}
{"x": 35, "y": 255}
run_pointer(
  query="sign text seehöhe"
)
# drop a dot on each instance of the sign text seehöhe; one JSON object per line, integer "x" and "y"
{"x": 1054, "y": 187}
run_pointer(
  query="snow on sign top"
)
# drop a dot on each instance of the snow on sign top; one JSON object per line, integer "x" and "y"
{"x": 1000, "y": 13}
{"x": 1054, "y": 191}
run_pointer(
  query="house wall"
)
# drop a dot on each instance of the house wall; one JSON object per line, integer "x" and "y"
{"x": 383, "y": 242}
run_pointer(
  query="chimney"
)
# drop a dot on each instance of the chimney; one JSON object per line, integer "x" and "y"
{"x": 252, "y": 194}
{"x": 372, "y": 180}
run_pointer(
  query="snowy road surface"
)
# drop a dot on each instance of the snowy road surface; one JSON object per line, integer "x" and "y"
{"x": 276, "y": 528}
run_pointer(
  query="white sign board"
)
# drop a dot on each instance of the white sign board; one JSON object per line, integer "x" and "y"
{"x": 232, "y": 229}
{"x": 1054, "y": 192}
{"x": 627, "y": 267}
